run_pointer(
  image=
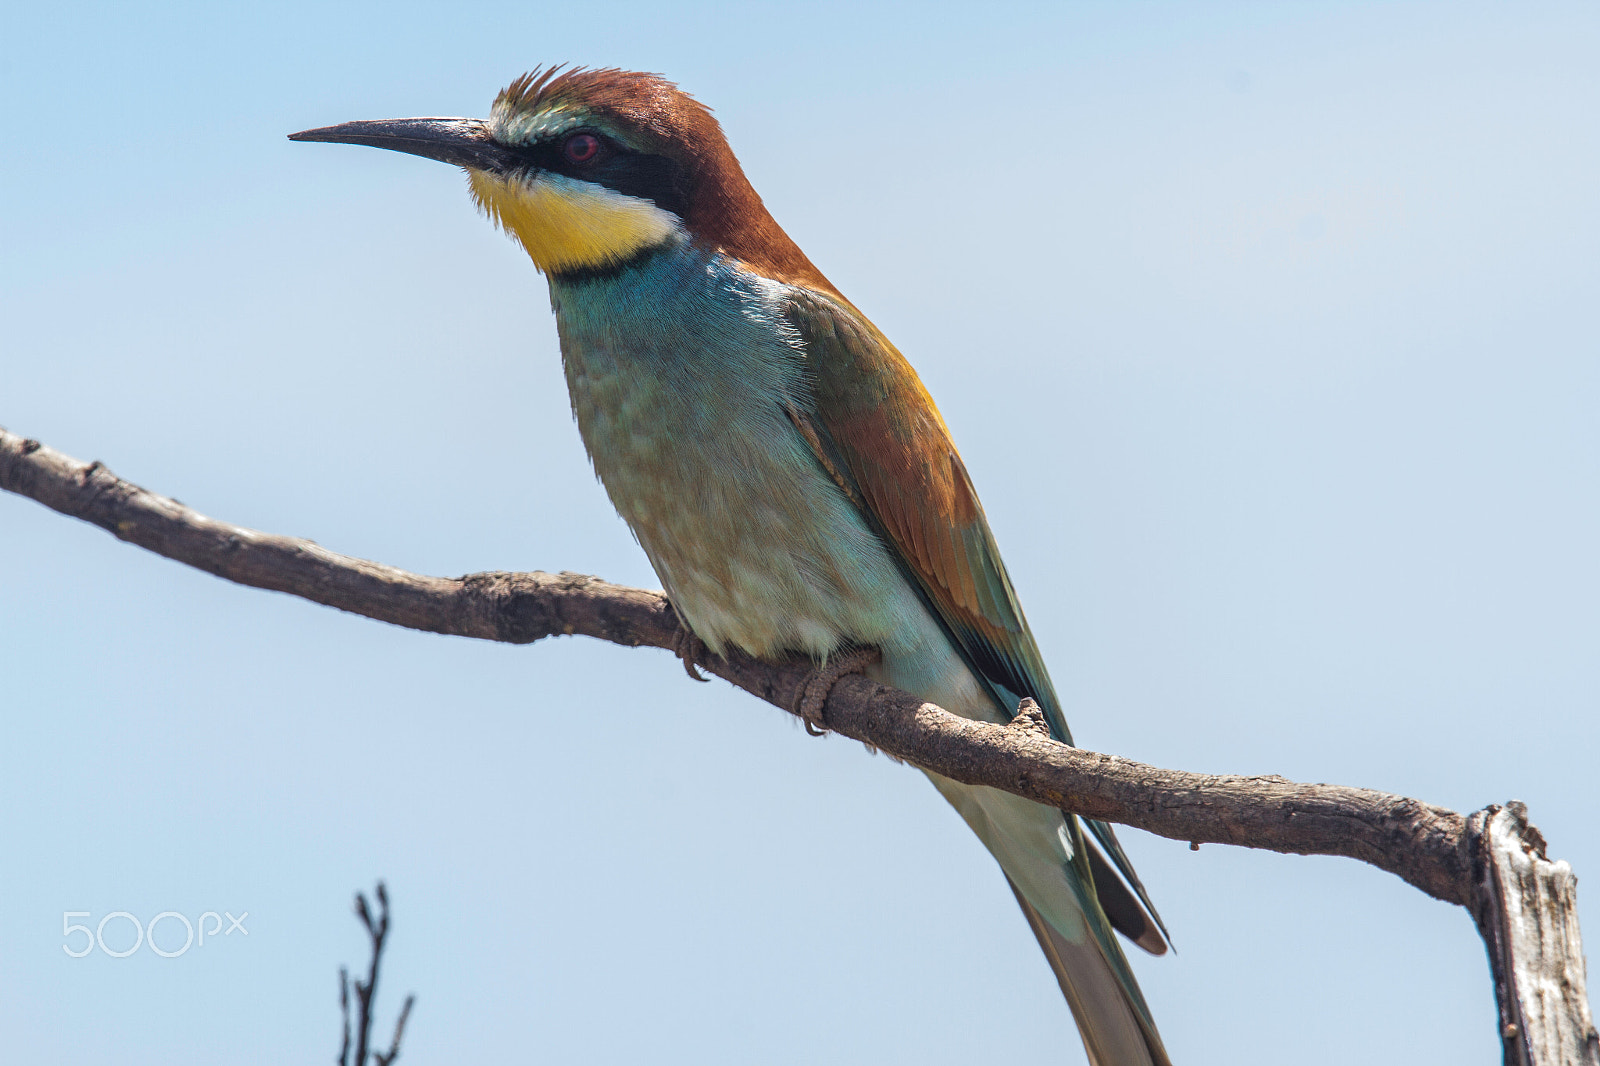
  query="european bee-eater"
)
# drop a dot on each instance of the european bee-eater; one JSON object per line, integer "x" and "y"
{"x": 780, "y": 462}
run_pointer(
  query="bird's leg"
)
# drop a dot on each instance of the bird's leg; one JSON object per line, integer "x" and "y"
{"x": 691, "y": 650}
{"x": 814, "y": 693}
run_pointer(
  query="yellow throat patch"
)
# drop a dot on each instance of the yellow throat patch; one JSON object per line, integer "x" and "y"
{"x": 566, "y": 224}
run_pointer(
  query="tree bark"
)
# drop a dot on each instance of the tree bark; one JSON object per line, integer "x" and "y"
{"x": 1493, "y": 862}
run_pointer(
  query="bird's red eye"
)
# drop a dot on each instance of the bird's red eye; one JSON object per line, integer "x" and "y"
{"x": 581, "y": 148}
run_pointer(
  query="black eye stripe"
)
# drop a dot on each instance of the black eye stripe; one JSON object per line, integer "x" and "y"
{"x": 656, "y": 178}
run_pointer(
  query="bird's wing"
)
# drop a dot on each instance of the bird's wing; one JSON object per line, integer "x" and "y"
{"x": 876, "y": 431}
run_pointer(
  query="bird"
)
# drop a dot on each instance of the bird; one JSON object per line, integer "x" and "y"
{"x": 782, "y": 465}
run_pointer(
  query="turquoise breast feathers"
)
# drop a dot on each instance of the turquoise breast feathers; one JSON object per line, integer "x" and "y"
{"x": 681, "y": 371}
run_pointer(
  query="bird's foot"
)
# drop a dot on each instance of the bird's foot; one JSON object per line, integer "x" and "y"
{"x": 692, "y": 651}
{"x": 814, "y": 693}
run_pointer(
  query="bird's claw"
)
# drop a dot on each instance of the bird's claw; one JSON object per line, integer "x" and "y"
{"x": 814, "y": 693}
{"x": 691, "y": 650}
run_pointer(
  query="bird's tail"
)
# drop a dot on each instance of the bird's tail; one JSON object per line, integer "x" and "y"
{"x": 1047, "y": 862}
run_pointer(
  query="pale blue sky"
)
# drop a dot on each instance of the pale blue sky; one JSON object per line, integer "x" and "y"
{"x": 1267, "y": 331}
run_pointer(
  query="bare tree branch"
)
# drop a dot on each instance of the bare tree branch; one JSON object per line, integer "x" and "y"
{"x": 1526, "y": 908}
{"x": 1419, "y": 842}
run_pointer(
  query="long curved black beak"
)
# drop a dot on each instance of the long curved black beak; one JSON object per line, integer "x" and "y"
{"x": 463, "y": 142}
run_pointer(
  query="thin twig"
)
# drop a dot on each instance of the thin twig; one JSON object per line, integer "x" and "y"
{"x": 344, "y": 1010}
{"x": 366, "y": 991}
{"x": 399, "y": 1032}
